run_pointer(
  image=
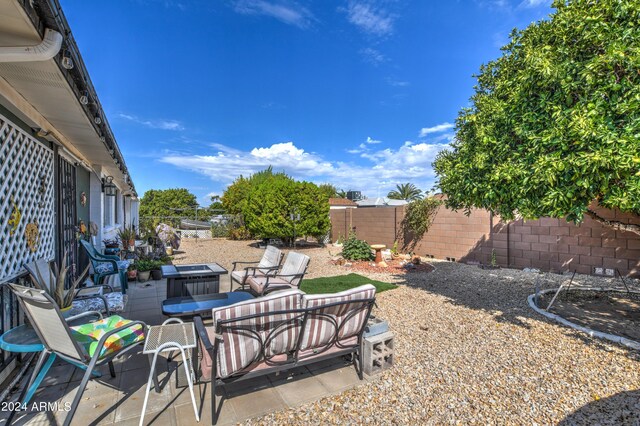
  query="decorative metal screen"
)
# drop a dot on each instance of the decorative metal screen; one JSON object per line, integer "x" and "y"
{"x": 68, "y": 217}
{"x": 27, "y": 217}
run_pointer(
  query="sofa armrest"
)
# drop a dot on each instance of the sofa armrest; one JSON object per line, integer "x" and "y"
{"x": 202, "y": 334}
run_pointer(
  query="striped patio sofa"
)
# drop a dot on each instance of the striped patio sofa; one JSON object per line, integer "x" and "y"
{"x": 281, "y": 331}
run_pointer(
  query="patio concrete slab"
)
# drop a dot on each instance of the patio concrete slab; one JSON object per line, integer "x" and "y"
{"x": 298, "y": 387}
{"x": 119, "y": 400}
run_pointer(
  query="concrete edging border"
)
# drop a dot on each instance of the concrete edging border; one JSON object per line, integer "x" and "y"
{"x": 592, "y": 333}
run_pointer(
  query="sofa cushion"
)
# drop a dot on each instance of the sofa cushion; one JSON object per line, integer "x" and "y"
{"x": 257, "y": 284}
{"x": 242, "y": 340}
{"x": 346, "y": 320}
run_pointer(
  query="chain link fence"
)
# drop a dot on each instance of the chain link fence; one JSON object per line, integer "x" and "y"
{"x": 206, "y": 226}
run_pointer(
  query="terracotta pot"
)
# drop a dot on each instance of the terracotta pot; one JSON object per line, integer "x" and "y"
{"x": 143, "y": 276}
{"x": 132, "y": 274}
{"x": 132, "y": 245}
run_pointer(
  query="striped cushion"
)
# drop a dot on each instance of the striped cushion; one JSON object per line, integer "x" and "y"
{"x": 242, "y": 340}
{"x": 320, "y": 329}
{"x": 257, "y": 284}
{"x": 295, "y": 263}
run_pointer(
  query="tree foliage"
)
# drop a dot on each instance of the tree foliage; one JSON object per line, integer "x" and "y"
{"x": 405, "y": 191}
{"x": 418, "y": 217}
{"x": 168, "y": 202}
{"x": 554, "y": 123}
{"x": 267, "y": 200}
{"x": 331, "y": 191}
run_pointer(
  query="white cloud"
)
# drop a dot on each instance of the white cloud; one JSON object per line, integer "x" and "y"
{"x": 436, "y": 129}
{"x": 373, "y": 56}
{"x": 397, "y": 83}
{"x": 370, "y": 18}
{"x": 372, "y": 141}
{"x": 285, "y": 11}
{"x": 378, "y": 172}
{"x": 154, "y": 124}
{"x": 535, "y": 3}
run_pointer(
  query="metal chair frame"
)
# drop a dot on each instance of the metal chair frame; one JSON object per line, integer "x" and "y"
{"x": 24, "y": 295}
{"x": 298, "y": 316}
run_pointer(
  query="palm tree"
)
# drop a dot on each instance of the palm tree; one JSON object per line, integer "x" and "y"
{"x": 405, "y": 191}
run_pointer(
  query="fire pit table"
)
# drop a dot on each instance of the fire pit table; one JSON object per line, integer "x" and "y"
{"x": 192, "y": 280}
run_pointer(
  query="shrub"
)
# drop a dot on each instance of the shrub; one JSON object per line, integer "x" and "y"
{"x": 355, "y": 249}
{"x": 239, "y": 233}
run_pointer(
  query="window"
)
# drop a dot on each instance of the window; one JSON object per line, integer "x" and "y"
{"x": 110, "y": 209}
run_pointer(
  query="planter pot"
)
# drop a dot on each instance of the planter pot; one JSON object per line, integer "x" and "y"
{"x": 169, "y": 250}
{"x": 65, "y": 309}
{"x": 156, "y": 274}
{"x": 143, "y": 276}
{"x": 132, "y": 274}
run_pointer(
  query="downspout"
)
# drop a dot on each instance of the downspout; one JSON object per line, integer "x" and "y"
{"x": 50, "y": 46}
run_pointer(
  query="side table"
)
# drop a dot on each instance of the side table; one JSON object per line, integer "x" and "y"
{"x": 172, "y": 335}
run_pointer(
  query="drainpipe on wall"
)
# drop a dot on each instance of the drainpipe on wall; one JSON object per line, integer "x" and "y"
{"x": 47, "y": 49}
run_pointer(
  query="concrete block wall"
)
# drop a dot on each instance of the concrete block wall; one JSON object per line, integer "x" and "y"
{"x": 547, "y": 244}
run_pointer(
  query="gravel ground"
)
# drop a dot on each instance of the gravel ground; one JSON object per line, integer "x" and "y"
{"x": 469, "y": 350}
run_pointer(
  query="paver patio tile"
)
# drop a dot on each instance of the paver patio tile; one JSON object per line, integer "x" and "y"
{"x": 298, "y": 386}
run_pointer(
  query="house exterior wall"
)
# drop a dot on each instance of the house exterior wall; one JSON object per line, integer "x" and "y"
{"x": 547, "y": 244}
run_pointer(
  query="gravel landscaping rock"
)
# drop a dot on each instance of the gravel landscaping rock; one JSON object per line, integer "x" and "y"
{"x": 468, "y": 350}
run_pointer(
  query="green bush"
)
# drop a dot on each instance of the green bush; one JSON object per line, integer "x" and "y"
{"x": 143, "y": 265}
{"x": 355, "y": 249}
{"x": 239, "y": 233}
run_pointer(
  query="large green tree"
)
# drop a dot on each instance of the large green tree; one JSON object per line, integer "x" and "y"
{"x": 166, "y": 206}
{"x": 234, "y": 198}
{"x": 405, "y": 191}
{"x": 168, "y": 202}
{"x": 554, "y": 124}
{"x": 273, "y": 198}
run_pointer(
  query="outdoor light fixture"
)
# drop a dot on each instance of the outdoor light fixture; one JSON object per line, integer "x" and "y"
{"x": 108, "y": 187}
{"x": 67, "y": 62}
{"x": 97, "y": 119}
{"x": 84, "y": 99}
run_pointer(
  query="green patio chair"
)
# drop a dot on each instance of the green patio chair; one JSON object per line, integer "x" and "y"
{"x": 105, "y": 265}
{"x": 88, "y": 345}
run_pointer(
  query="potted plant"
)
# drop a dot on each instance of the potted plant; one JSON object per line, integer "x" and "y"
{"x": 63, "y": 297}
{"x": 144, "y": 269}
{"x": 156, "y": 272}
{"x": 132, "y": 271}
{"x": 127, "y": 235}
{"x": 394, "y": 251}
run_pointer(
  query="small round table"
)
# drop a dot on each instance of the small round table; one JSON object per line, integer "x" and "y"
{"x": 23, "y": 339}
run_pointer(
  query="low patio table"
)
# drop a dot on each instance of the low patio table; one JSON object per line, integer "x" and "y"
{"x": 172, "y": 335}
{"x": 191, "y": 306}
{"x": 192, "y": 280}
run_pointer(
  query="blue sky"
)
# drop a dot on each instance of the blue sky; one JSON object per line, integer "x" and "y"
{"x": 358, "y": 93}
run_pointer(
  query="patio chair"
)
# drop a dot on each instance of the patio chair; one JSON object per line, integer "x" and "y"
{"x": 268, "y": 265}
{"x": 88, "y": 345}
{"x": 105, "y": 265}
{"x": 289, "y": 277}
{"x": 101, "y": 298}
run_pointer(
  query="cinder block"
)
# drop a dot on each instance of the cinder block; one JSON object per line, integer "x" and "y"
{"x": 378, "y": 353}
